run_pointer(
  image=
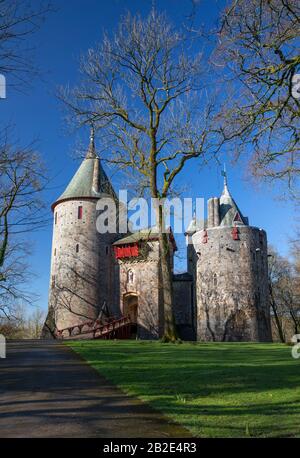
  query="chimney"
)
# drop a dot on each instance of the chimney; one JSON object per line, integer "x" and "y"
{"x": 216, "y": 211}
{"x": 210, "y": 212}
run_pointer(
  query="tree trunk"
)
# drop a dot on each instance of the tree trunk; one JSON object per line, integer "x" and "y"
{"x": 277, "y": 321}
{"x": 170, "y": 332}
{"x": 296, "y": 325}
{"x": 4, "y": 243}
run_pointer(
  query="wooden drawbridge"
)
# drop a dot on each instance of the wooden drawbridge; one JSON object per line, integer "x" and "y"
{"x": 114, "y": 328}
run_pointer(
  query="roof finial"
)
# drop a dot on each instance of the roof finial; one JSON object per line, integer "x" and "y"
{"x": 92, "y": 134}
{"x": 194, "y": 211}
{"x": 224, "y": 174}
{"x": 91, "y": 151}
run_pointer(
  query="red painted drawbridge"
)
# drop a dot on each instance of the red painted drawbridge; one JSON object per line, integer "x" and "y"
{"x": 113, "y": 328}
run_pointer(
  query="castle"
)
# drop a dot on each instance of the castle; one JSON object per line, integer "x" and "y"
{"x": 223, "y": 296}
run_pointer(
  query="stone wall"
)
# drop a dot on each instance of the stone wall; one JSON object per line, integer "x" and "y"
{"x": 183, "y": 306}
{"x": 222, "y": 297}
{"x": 141, "y": 277}
{"x": 232, "y": 285}
{"x": 81, "y": 265}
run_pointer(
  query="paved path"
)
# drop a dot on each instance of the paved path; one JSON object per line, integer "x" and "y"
{"x": 46, "y": 390}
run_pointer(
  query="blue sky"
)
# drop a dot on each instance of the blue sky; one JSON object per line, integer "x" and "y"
{"x": 70, "y": 31}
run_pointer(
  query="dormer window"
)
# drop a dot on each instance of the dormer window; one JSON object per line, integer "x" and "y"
{"x": 237, "y": 218}
{"x": 80, "y": 212}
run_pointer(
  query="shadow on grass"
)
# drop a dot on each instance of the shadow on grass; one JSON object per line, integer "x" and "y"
{"x": 213, "y": 389}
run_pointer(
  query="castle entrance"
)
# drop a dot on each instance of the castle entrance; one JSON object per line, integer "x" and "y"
{"x": 130, "y": 308}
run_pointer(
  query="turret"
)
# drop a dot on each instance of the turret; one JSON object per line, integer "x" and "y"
{"x": 81, "y": 257}
{"x": 231, "y": 275}
{"x": 193, "y": 227}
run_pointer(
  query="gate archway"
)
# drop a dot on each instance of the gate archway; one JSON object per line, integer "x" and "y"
{"x": 130, "y": 308}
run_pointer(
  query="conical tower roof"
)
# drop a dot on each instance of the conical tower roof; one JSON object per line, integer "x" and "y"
{"x": 230, "y": 214}
{"x": 194, "y": 226}
{"x": 90, "y": 180}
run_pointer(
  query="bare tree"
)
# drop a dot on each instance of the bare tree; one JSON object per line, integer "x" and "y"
{"x": 19, "y": 19}
{"x": 278, "y": 269}
{"x": 295, "y": 309}
{"x": 284, "y": 294}
{"x": 21, "y": 182}
{"x": 144, "y": 89}
{"x": 22, "y": 326}
{"x": 21, "y": 174}
{"x": 34, "y": 324}
{"x": 12, "y": 327}
{"x": 259, "y": 44}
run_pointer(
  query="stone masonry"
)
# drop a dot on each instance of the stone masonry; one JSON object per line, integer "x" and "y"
{"x": 223, "y": 296}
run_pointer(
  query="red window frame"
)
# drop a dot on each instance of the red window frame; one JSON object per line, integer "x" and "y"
{"x": 235, "y": 233}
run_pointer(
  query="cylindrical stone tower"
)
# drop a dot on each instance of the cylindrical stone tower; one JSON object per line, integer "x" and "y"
{"x": 232, "y": 278}
{"x": 81, "y": 262}
{"x": 216, "y": 211}
{"x": 210, "y": 212}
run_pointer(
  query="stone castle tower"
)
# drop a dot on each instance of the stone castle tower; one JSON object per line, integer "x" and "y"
{"x": 81, "y": 267}
{"x": 228, "y": 261}
{"x": 223, "y": 296}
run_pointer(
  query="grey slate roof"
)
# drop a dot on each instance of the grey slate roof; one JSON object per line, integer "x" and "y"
{"x": 149, "y": 233}
{"x": 90, "y": 180}
{"x": 229, "y": 209}
{"x": 195, "y": 226}
{"x": 144, "y": 234}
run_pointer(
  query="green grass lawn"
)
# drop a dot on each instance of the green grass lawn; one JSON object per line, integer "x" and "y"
{"x": 214, "y": 390}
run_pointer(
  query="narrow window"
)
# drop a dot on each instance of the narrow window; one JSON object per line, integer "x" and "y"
{"x": 77, "y": 248}
{"x": 106, "y": 249}
{"x": 54, "y": 251}
{"x": 130, "y": 276}
{"x": 55, "y": 217}
{"x": 80, "y": 212}
{"x": 53, "y": 280}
